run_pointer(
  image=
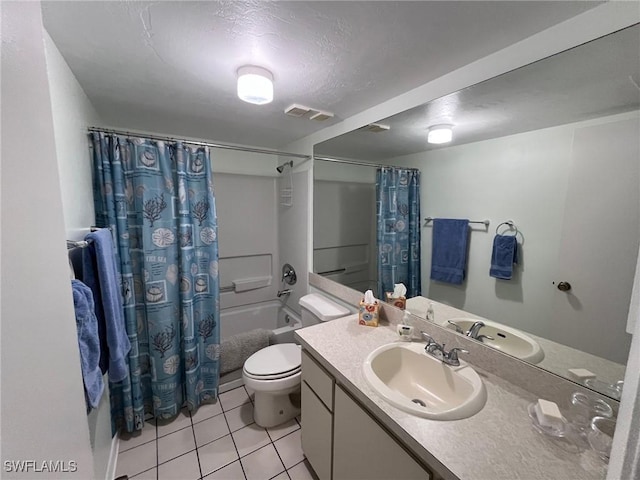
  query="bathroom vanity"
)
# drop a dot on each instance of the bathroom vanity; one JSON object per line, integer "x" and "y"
{"x": 351, "y": 432}
{"x": 342, "y": 440}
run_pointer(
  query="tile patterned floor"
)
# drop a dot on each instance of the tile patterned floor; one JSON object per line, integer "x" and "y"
{"x": 218, "y": 442}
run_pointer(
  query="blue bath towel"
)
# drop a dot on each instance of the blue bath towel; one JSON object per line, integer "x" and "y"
{"x": 101, "y": 275}
{"x": 87, "y": 326}
{"x": 503, "y": 256}
{"x": 449, "y": 250}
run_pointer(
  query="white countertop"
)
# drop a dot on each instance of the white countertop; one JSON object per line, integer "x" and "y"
{"x": 496, "y": 443}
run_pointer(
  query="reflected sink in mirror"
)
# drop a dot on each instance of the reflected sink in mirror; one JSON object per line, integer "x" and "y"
{"x": 417, "y": 383}
{"x": 506, "y": 339}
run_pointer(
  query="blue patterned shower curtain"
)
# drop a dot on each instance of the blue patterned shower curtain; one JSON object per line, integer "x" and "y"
{"x": 398, "y": 229}
{"x": 157, "y": 198}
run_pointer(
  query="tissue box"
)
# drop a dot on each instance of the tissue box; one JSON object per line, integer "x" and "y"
{"x": 400, "y": 302}
{"x": 369, "y": 313}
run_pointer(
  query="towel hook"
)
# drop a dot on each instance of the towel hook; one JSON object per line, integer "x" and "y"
{"x": 511, "y": 224}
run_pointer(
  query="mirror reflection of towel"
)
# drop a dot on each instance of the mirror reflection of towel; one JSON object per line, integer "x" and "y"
{"x": 449, "y": 250}
{"x": 503, "y": 256}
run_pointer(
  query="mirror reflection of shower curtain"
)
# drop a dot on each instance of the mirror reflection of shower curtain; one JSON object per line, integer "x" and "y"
{"x": 398, "y": 229}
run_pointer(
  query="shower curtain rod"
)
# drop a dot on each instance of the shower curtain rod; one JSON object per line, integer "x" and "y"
{"x": 357, "y": 162}
{"x": 223, "y": 146}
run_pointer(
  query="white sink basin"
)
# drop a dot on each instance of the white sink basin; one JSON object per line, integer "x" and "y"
{"x": 413, "y": 381}
{"x": 506, "y": 339}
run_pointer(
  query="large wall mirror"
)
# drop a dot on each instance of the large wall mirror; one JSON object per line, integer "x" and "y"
{"x": 553, "y": 147}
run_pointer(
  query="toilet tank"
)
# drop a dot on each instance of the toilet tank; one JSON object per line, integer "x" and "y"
{"x": 317, "y": 308}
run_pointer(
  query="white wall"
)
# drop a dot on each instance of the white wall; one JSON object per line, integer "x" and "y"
{"x": 248, "y": 235}
{"x": 243, "y": 163}
{"x": 344, "y": 223}
{"x": 295, "y": 230}
{"x": 43, "y": 408}
{"x": 522, "y": 177}
{"x": 72, "y": 114}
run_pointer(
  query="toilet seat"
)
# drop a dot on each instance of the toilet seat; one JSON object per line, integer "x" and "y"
{"x": 274, "y": 362}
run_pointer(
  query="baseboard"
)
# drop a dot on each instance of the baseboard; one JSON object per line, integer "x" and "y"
{"x": 113, "y": 458}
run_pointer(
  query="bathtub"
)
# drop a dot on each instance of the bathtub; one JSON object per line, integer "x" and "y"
{"x": 281, "y": 320}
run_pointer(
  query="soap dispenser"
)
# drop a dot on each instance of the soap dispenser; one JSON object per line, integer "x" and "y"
{"x": 431, "y": 316}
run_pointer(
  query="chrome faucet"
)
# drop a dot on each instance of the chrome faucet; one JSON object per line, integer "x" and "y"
{"x": 438, "y": 351}
{"x": 474, "y": 332}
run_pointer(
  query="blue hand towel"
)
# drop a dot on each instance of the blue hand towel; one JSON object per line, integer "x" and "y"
{"x": 101, "y": 275}
{"x": 449, "y": 250}
{"x": 87, "y": 327}
{"x": 88, "y": 275}
{"x": 503, "y": 256}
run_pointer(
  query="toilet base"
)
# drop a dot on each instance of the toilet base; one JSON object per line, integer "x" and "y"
{"x": 271, "y": 410}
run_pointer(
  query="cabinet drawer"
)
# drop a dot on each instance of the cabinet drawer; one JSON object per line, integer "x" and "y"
{"x": 317, "y": 433}
{"x": 318, "y": 379}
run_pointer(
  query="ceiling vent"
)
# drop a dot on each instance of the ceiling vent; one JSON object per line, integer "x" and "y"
{"x": 376, "y": 127}
{"x": 320, "y": 116}
{"x": 296, "y": 110}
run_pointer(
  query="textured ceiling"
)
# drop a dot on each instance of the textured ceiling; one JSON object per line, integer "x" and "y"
{"x": 595, "y": 79}
{"x": 170, "y": 66}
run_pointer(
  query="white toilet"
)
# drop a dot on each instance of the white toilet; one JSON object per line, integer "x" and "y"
{"x": 274, "y": 372}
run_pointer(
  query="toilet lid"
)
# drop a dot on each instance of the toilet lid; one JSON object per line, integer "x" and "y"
{"x": 274, "y": 360}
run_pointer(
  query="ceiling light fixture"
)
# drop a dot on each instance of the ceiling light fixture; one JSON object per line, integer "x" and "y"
{"x": 440, "y": 134}
{"x": 255, "y": 85}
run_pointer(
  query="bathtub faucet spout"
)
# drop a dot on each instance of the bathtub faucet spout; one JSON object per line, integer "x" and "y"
{"x": 286, "y": 291}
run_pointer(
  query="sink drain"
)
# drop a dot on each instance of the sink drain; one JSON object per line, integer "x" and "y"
{"x": 419, "y": 402}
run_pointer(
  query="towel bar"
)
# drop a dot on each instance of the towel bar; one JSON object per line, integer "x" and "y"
{"x": 485, "y": 222}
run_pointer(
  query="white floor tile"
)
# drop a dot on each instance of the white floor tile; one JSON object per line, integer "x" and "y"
{"x": 240, "y": 417}
{"x": 148, "y": 475}
{"x": 282, "y": 476}
{"x": 205, "y": 411}
{"x": 217, "y": 454}
{"x": 250, "y": 392}
{"x": 302, "y": 471}
{"x": 132, "y": 440}
{"x": 137, "y": 460}
{"x": 175, "y": 444}
{"x": 290, "y": 449}
{"x": 250, "y": 438}
{"x": 184, "y": 467}
{"x": 210, "y": 429}
{"x": 182, "y": 420}
{"x": 230, "y": 472}
{"x": 281, "y": 430}
{"x": 233, "y": 398}
{"x": 262, "y": 464}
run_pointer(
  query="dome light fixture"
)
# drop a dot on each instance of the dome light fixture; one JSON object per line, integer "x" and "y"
{"x": 440, "y": 134}
{"x": 255, "y": 85}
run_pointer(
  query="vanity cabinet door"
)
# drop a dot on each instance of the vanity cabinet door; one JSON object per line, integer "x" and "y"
{"x": 317, "y": 433}
{"x": 363, "y": 450}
